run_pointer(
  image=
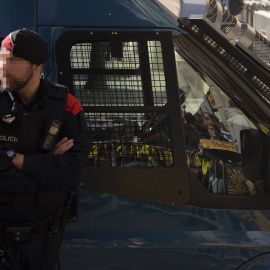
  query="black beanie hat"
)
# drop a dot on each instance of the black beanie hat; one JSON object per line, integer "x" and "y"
{"x": 28, "y": 45}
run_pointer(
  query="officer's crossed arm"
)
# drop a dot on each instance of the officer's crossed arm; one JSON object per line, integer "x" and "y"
{"x": 60, "y": 148}
{"x": 63, "y": 170}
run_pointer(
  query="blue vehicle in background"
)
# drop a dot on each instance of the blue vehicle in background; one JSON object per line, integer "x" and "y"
{"x": 176, "y": 96}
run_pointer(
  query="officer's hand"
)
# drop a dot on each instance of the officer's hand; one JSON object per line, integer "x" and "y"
{"x": 18, "y": 161}
{"x": 62, "y": 146}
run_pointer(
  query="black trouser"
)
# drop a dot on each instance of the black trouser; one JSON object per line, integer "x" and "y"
{"x": 39, "y": 252}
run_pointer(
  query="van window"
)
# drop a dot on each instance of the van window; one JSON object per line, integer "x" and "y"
{"x": 123, "y": 138}
{"x": 136, "y": 79}
{"x": 223, "y": 147}
{"x": 127, "y": 84}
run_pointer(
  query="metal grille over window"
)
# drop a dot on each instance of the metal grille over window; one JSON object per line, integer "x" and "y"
{"x": 228, "y": 23}
{"x": 136, "y": 79}
{"x": 238, "y": 33}
{"x": 261, "y": 47}
{"x": 234, "y": 61}
{"x": 123, "y": 91}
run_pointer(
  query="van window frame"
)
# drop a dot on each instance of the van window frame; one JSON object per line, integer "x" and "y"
{"x": 168, "y": 186}
{"x": 255, "y": 107}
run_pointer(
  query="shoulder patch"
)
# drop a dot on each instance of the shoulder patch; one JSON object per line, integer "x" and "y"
{"x": 73, "y": 105}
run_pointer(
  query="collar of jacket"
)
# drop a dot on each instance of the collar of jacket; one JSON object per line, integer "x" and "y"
{"x": 39, "y": 101}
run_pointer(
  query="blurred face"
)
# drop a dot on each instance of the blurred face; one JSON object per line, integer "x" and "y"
{"x": 15, "y": 72}
{"x": 213, "y": 131}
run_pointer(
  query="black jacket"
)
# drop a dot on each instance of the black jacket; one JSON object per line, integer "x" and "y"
{"x": 44, "y": 174}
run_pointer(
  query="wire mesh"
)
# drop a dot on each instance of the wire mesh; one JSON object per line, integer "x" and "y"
{"x": 110, "y": 89}
{"x": 262, "y": 52}
{"x": 261, "y": 47}
{"x": 228, "y": 22}
{"x": 129, "y": 139}
{"x": 102, "y": 80}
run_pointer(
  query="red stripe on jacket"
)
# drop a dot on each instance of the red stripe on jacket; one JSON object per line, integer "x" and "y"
{"x": 73, "y": 105}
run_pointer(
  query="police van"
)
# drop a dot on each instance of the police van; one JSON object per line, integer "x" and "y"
{"x": 176, "y": 97}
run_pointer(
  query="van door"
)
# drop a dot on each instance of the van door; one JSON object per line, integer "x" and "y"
{"x": 223, "y": 68}
{"x": 127, "y": 84}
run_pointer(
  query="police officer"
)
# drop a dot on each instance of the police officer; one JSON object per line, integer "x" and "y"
{"x": 35, "y": 171}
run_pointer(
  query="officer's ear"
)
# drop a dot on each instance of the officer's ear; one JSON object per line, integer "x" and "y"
{"x": 37, "y": 68}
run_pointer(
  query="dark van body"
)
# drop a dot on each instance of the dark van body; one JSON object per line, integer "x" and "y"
{"x": 161, "y": 191}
